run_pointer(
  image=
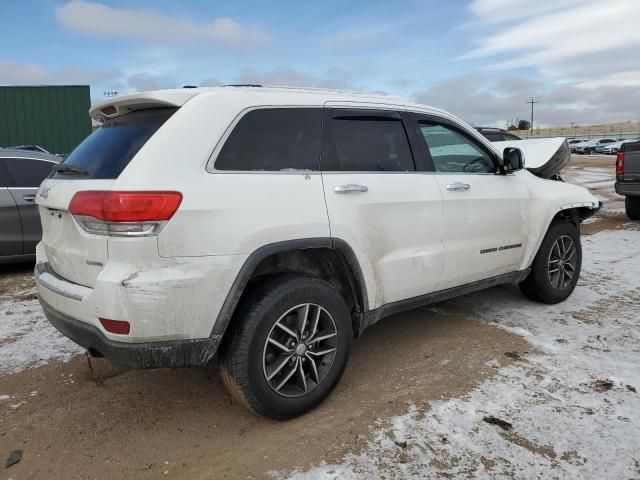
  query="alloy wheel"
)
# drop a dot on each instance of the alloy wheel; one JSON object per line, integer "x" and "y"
{"x": 562, "y": 263}
{"x": 299, "y": 350}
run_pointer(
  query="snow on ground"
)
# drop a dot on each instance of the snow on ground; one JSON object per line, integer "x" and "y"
{"x": 27, "y": 339}
{"x": 570, "y": 410}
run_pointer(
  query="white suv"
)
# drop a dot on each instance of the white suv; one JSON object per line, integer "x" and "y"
{"x": 268, "y": 227}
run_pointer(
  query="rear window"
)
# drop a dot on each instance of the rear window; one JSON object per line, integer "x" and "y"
{"x": 108, "y": 150}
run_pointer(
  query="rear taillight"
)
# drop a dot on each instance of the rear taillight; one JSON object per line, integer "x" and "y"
{"x": 620, "y": 163}
{"x": 124, "y": 213}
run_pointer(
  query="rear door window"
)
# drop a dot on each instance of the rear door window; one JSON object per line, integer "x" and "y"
{"x": 108, "y": 150}
{"x": 274, "y": 139}
{"x": 27, "y": 172}
{"x": 365, "y": 141}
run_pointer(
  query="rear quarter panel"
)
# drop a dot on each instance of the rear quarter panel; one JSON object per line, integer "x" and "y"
{"x": 223, "y": 213}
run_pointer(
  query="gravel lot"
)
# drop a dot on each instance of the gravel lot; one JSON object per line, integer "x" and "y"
{"x": 489, "y": 385}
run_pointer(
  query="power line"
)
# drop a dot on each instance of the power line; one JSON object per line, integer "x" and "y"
{"x": 532, "y": 102}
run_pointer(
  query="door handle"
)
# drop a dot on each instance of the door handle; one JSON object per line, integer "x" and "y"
{"x": 29, "y": 198}
{"x": 458, "y": 186}
{"x": 350, "y": 188}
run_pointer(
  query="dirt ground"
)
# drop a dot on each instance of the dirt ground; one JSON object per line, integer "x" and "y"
{"x": 100, "y": 422}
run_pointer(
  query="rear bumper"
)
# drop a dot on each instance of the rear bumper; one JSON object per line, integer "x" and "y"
{"x": 628, "y": 189}
{"x": 165, "y": 354}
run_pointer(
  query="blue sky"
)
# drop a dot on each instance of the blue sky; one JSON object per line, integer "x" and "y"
{"x": 480, "y": 59}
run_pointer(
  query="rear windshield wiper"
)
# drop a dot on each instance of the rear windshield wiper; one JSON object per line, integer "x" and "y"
{"x": 68, "y": 169}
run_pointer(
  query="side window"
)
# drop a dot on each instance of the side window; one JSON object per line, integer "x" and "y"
{"x": 5, "y": 178}
{"x": 27, "y": 172}
{"x": 453, "y": 151}
{"x": 493, "y": 137}
{"x": 274, "y": 139}
{"x": 368, "y": 144}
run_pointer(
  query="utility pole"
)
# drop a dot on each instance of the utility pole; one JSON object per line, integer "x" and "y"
{"x": 532, "y": 102}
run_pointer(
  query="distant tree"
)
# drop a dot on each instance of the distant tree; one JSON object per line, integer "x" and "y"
{"x": 512, "y": 127}
{"x": 524, "y": 125}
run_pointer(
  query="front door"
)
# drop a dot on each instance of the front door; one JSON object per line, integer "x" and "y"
{"x": 390, "y": 214}
{"x": 485, "y": 225}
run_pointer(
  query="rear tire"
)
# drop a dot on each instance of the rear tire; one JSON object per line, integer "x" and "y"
{"x": 556, "y": 267}
{"x": 288, "y": 346}
{"x": 632, "y": 207}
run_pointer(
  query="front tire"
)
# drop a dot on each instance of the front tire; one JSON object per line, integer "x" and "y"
{"x": 632, "y": 207}
{"x": 288, "y": 346}
{"x": 556, "y": 268}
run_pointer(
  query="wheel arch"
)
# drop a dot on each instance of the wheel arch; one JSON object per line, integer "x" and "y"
{"x": 326, "y": 258}
{"x": 574, "y": 215}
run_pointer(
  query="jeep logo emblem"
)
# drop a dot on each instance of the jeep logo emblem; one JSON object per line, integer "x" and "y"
{"x": 44, "y": 192}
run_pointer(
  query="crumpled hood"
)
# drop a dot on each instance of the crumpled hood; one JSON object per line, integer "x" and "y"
{"x": 544, "y": 157}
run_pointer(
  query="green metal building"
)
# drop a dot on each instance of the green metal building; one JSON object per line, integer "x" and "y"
{"x": 53, "y": 117}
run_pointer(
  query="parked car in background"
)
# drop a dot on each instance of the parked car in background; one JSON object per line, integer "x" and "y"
{"x": 628, "y": 177}
{"x": 296, "y": 219}
{"x": 613, "y": 148}
{"x": 574, "y": 142}
{"x": 589, "y": 147}
{"x": 600, "y": 146}
{"x": 497, "y": 134}
{"x": 30, "y": 148}
{"x": 21, "y": 173}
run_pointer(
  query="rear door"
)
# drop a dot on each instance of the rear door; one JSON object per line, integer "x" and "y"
{"x": 28, "y": 174}
{"x": 380, "y": 204}
{"x": 11, "y": 231}
{"x": 485, "y": 225}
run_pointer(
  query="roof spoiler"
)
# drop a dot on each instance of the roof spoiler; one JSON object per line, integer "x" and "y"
{"x": 118, "y": 106}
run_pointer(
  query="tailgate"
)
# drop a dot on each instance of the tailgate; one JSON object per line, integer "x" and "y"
{"x": 631, "y": 162}
{"x": 72, "y": 253}
{"x": 95, "y": 164}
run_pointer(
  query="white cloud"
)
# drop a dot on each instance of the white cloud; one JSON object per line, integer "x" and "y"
{"x": 286, "y": 76}
{"x": 485, "y": 99}
{"x": 12, "y": 73}
{"x": 564, "y": 39}
{"x": 143, "y": 81}
{"x": 100, "y": 20}
{"x": 498, "y": 11}
{"x": 622, "y": 79}
{"x": 584, "y": 50}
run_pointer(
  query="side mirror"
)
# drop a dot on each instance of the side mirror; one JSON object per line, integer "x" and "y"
{"x": 513, "y": 159}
